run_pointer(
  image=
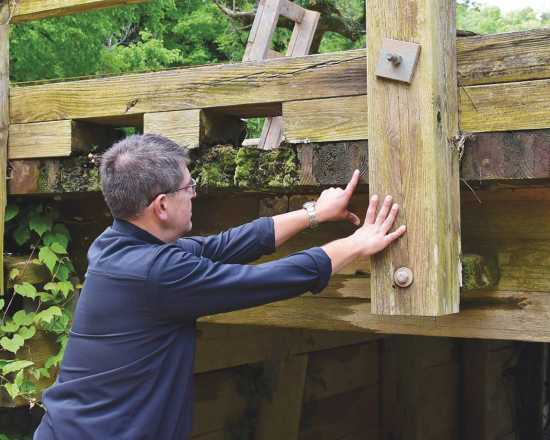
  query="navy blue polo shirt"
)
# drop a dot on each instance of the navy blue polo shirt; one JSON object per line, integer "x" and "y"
{"x": 127, "y": 373}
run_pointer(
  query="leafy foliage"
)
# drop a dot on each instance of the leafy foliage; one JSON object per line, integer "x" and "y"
{"x": 35, "y": 230}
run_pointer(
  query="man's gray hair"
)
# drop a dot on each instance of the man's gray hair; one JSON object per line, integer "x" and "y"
{"x": 136, "y": 169}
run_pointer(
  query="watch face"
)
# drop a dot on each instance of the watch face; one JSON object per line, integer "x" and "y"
{"x": 309, "y": 205}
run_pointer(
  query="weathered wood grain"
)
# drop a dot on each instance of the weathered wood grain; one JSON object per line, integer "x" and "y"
{"x": 58, "y": 138}
{"x": 412, "y": 159}
{"x": 326, "y": 120}
{"x": 515, "y": 315}
{"x": 26, "y": 10}
{"x": 266, "y": 82}
{"x": 507, "y": 106}
{"x": 260, "y": 83}
{"x": 183, "y": 127}
{"x": 506, "y": 57}
{"x": 251, "y": 344}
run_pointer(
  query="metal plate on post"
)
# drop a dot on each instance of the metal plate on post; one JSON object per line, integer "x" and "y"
{"x": 397, "y": 60}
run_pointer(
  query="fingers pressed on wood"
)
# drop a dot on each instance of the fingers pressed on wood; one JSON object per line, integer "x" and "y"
{"x": 390, "y": 219}
{"x": 384, "y": 210}
{"x": 371, "y": 211}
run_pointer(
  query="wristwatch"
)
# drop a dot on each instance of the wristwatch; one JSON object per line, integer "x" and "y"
{"x": 310, "y": 208}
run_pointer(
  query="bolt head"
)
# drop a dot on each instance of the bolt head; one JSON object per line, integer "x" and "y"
{"x": 403, "y": 277}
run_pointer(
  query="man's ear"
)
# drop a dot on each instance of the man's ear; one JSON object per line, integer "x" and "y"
{"x": 159, "y": 207}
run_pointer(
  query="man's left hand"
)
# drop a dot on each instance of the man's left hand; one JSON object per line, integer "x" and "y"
{"x": 332, "y": 204}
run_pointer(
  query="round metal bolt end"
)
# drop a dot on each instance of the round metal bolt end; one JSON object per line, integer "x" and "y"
{"x": 394, "y": 58}
{"x": 403, "y": 277}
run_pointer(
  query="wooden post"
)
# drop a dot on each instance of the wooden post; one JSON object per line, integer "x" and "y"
{"x": 412, "y": 157}
{"x": 4, "y": 121}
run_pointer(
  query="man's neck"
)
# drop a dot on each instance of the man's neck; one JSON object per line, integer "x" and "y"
{"x": 153, "y": 229}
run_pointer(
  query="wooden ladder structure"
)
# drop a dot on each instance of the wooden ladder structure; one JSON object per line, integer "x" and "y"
{"x": 258, "y": 48}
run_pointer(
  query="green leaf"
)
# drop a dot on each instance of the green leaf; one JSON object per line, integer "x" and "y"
{"x": 46, "y": 256}
{"x": 22, "y": 234}
{"x": 26, "y": 290}
{"x": 45, "y": 296}
{"x": 58, "y": 248}
{"x": 14, "y": 273}
{"x": 14, "y": 366}
{"x": 27, "y": 332}
{"x": 66, "y": 287}
{"x": 11, "y": 212}
{"x": 40, "y": 223}
{"x": 61, "y": 229}
{"x": 1, "y": 304}
{"x": 10, "y": 327}
{"x": 63, "y": 272}
{"x": 48, "y": 314}
{"x": 23, "y": 318}
{"x": 12, "y": 389}
{"x": 12, "y": 344}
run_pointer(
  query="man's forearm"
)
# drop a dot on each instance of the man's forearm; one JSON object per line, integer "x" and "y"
{"x": 289, "y": 224}
{"x": 342, "y": 252}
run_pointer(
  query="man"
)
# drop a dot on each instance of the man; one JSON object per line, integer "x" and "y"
{"x": 127, "y": 373}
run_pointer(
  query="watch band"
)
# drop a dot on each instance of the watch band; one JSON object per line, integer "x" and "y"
{"x": 311, "y": 212}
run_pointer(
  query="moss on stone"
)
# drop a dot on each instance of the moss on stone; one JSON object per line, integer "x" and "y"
{"x": 214, "y": 166}
{"x": 479, "y": 272}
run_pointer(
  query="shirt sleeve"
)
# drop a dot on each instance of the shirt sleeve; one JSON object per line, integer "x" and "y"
{"x": 242, "y": 244}
{"x": 188, "y": 286}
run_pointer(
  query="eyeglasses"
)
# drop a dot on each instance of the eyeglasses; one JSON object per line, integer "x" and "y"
{"x": 192, "y": 185}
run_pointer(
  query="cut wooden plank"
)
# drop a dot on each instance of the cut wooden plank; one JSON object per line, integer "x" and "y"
{"x": 58, "y": 138}
{"x": 408, "y": 125}
{"x": 260, "y": 83}
{"x": 279, "y": 416}
{"x": 258, "y": 49}
{"x": 292, "y": 11}
{"x": 26, "y": 10}
{"x": 519, "y": 316}
{"x": 326, "y": 120}
{"x": 508, "y": 106}
{"x": 265, "y": 23}
{"x": 507, "y": 57}
{"x": 194, "y": 128}
{"x": 257, "y": 344}
{"x": 183, "y": 127}
{"x": 4, "y": 121}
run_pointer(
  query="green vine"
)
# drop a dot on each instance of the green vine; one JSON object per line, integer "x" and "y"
{"x": 30, "y": 311}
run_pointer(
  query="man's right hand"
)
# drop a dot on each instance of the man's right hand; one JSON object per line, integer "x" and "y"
{"x": 370, "y": 238}
{"x": 374, "y": 235}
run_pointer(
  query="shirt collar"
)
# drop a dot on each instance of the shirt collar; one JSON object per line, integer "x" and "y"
{"x": 125, "y": 227}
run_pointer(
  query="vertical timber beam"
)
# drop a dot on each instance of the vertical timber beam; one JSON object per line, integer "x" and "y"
{"x": 411, "y": 130}
{"x": 4, "y": 121}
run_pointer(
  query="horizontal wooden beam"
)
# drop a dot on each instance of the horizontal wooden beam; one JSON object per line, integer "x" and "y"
{"x": 483, "y": 314}
{"x": 270, "y": 82}
{"x": 251, "y": 344}
{"x": 26, "y": 10}
{"x": 486, "y": 108}
{"x": 57, "y": 138}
